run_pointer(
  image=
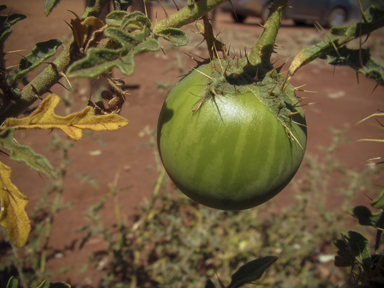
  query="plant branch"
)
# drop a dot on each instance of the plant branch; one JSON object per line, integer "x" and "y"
{"x": 338, "y": 37}
{"x": 187, "y": 15}
{"x": 51, "y": 74}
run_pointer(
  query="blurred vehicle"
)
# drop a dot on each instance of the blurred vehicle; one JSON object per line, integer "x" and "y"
{"x": 328, "y": 13}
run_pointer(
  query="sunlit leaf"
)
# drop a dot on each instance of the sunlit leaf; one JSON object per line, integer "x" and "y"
{"x": 94, "y": 22}
{"x": 26, "y": 154}
{"x": 12, "y": 209}
{"x": 176, "y": 36}
{"x": 80, "y": 31}
{"x": 49, "y": 5}
{"x": 251, "y": 271}
{"x": 73, "y": 125}
{"x": 115, "y": 18}
{"x": 99, "y": 60}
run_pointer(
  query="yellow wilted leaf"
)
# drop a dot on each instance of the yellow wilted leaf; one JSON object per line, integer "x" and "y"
{"x": 73, "y": 125}
{"x": 94, "y": 22}
{"x": 12, "y": 209}
{"x": 80, "y": 31}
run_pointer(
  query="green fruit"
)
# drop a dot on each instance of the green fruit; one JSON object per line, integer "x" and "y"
{"x": 236, "y": 145}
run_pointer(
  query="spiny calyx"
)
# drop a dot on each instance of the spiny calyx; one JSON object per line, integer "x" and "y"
{"x": 230, "y": 77}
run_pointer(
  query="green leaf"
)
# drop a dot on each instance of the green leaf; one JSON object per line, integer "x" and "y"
{"x": 136, "y": 20}
{"x": 47, "y": 284}
{"x": 344, "y": 258}
{"x": 12, "y": 283}
{"x": 26, "y": 154}
{"x": 115, "y": 18}
{"x": 41, "y": 52}
{"x": 251, "y": 271}
{"x": 122, "y": 37}
{"x": 49, "y": 5}
{"x": 176, "y": 36}
{"x": 359, "y": 60}
{"x": 122, "y": 4}
{"x": 209, "y": 284}
{"x": 365, "y": 216}
{"x": 99, "y": 60}
{"x": 378, "y": 203}
{"x": 6, "y": 22}
{"x": 353, "y": 250}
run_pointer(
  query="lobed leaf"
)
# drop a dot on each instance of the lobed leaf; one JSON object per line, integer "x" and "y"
{"x": 353, "y": 249}
{"x": 41, "y": 52}
{"x": 122, "y": 4}
{"x": 26, "y": 154}
{"x": 365, "y": 216}
{"x": 136, "y": 20}
{"x": 73, "y": 125}
{"x": 12, "y": 209}
{"x": 176, "y": 36}
{"x": 359, "y": 60}
{"x": 49, "y": 5}
{"x": 115, "y": 18}
{"x": 100, "y": 60}
{"x": 6, "y": 22}
{"x": 338, "y": 37}
{"x": 251, "y": 271}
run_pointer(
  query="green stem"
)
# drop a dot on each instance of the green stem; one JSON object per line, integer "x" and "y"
{"x": 262, "y": 51}
{"x": 187, "y": 15}
{"x": 19, "y": 266}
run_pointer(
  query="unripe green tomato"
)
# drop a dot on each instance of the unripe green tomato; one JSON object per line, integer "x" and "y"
{"x": 232, "y": 152}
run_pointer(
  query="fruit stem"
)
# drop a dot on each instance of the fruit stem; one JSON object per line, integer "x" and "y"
{"x": 262, "y": 51}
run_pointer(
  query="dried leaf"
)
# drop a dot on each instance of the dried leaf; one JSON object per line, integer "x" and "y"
{"x": 26, "y": 154}
{"x": 94, "y": 22}
{"x": 80, "y": 31}
{"x": 12, "y": 209}
{"x": 73, "y": 125}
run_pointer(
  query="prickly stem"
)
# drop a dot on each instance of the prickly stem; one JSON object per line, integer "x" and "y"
{"x": 262, "y": 51}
